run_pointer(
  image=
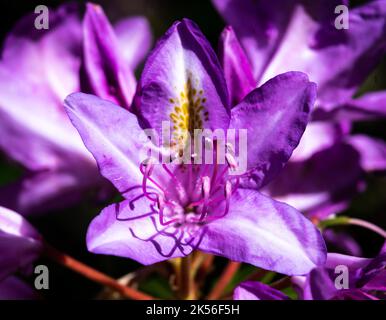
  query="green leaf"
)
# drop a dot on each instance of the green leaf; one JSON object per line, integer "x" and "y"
{"x": 157, "y": 286}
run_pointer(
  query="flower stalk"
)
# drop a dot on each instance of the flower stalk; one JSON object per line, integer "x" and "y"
{"x": 92, "y": 274}
{"x": 186, "y": 288}
{"x": 342, "y": 220}
{"x": 205, "y": 268}
{"x": 224, "y": 280}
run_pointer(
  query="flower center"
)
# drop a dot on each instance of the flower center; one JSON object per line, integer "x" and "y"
{"x": 180, "y": 212}
{"x": 213, "y": 187}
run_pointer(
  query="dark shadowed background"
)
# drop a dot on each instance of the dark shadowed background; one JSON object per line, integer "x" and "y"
{"x": 66, "y": 229}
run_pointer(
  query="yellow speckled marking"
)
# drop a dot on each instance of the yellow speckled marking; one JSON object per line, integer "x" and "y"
{"x": 188, "y": 113}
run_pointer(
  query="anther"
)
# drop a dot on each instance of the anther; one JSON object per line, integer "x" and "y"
{"x": 231, "y": 161}
{"x": 149, "y": 166}
{"x": 230, "y": 148}
{"x": 206, "y": 186}
{"x": 228, "y": 189}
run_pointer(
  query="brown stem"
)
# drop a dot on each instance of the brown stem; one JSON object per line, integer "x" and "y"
{"x": 93, "y": 274}
{"x": 204, "y": 269}
{"x": 281, "y": 283}
{"x": 223, "y": 281}
{"x": 257, "y": 275}
{"x": 197, "y": 261}
{"x": 186, "y": 286}
{"x": 133, "y": 279}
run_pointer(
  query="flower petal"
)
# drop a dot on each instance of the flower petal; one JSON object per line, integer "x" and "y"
{"x": 183, "y": 83}
{"x": 275, "y": 117}
{"x": 237, "y": 70}
{"x": 377, "y": 282}
{"x": 318, "y": 135}
{"x": 39, "y": 192}
{"x": 121, "y": 231}
{"x": 259, "y": 26}
{"x": 320, "y": 282}
{"x": 301, "y": 36}
{"x": 319, "y": 285}
{"x": 118, "y": 153}
{"x": 134, "y": 39}
{"x": 371, "y": 106}
{"x": 317, "y": 186}
{"x": 372, "y": 151}
{"x": 37, "y": 70}
{"x": 106, "y": 73}
{"x": 253, "y": 290}
{"x": 36, "y": 138}
{"x": 48, "y": 58}
{"x": 354, "y": 294}
{"x": 328, "y": 55}
{"x": 20, "y": 243}
{"x": 351, "y": 262}
{"x": 13, "y": 288}
{"x": 265, "y": 233}
{"x": 341, "y": 241}
{"x": 373, "y": 275}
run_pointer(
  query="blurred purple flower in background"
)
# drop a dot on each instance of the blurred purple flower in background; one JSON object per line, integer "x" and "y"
{"x": 20, "y": 245}
{"x": 171, "y": 209}
{"x": 366, "y": 280}
{"x": 328, "y": 166}
{"x": 276, "y": 111}
{"x": 38, "y": 69}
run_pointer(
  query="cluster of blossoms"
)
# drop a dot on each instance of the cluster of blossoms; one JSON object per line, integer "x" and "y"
{"x": 74, "y": 115}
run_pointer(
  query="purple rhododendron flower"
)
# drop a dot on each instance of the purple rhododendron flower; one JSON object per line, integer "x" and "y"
{"x": 366, "y": 280}
{"x": 38, "y": 69}
{"x": 20, "y": 245}
{"x": 172, "y": 209}
{"x": 328, "y": 166}
{"x": 342, "y": 242}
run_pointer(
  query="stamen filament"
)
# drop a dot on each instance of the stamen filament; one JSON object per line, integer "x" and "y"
{"x": 179, "y": 187}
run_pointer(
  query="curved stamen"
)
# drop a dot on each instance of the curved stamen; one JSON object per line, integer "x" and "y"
{"x": 221, "y": 176}
{"x": 206, "y": 192}
{"x": 231, "y": 165}
{"x": 231, "y": 161}
{"x": 149, "y": 165}
{"x": 214, "y": 174}
{"x": 131, "y": 203}
{"x": 230, "y": 147}
{"x": 178, "y": 241}
{"x": 206, "y": 188}
{"x": 176, "y": 221}
{"x": 179, "y": 187}
{"x": 178, "y": 244}
{"x": 151, "y": 237}
{"x": 162, "y": 215}
{"x": 146, "y": 173}
{"x": 172, "y": 250}
{"x": 227, "y": 194}
{"x": 198, "y": 185}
